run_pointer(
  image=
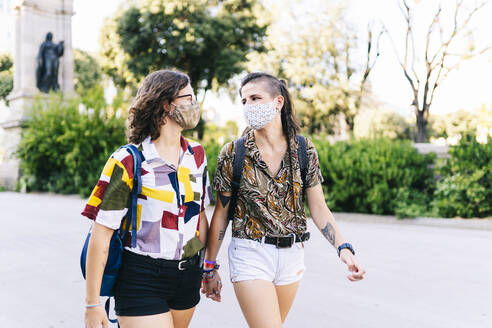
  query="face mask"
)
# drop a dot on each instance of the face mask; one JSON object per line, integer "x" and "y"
{"x": 187, "y": 116}
{"x": 259, "y": 115}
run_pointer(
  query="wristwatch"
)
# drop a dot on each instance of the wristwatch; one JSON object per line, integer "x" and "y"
{"x": 347, "y": 246}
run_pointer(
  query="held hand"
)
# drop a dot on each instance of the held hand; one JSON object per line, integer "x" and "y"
{"x": 96, "y": 317}
{"x": 357, "y": 272}
{"x": 212, "y": 287}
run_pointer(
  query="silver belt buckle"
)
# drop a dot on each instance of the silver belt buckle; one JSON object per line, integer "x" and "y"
{"x": 180, "y": 268}
{"x": 292, "y": 240}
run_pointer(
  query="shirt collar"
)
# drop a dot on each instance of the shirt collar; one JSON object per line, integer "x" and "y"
{"x": 150, "y": 152}
{"x": 250, "y": 142}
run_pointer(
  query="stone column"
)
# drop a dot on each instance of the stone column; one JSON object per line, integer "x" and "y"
{"x": 33, "y": 20}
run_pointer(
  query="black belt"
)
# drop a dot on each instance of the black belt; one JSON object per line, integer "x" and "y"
{"x": 185, "y": 264}
{"x": 286, "y": 241}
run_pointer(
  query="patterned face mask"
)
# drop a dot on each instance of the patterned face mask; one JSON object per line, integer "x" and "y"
{"x": 259, "y": 115}
{"x": 187, "y": 116}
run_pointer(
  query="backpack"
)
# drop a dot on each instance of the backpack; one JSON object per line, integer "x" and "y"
{"x": 238, "y": 165}
{"x": 113, "y": 262}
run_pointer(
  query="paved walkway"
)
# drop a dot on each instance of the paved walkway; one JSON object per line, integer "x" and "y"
{"x": 419, "y": 275}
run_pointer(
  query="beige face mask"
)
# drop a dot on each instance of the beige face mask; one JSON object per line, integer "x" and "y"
{"x": 187, "y": 116}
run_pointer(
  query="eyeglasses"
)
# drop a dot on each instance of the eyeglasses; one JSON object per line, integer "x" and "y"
{"x": 188, "y": 96}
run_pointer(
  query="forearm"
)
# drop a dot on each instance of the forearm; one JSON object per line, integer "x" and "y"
{"x": 322, "y": 216}
{"x": 325, "y": 221}
{"x": 218, "y": 226}
{"x": 203, "y": 229}
{"x": 97, "y": 255}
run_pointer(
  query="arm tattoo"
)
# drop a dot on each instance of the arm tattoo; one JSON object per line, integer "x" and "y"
{"x": 221, "y": 234}
{"x": 329, "y": 233}
{"x": 224, "y": 200}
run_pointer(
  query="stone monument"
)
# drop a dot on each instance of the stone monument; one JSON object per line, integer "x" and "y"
{"x": 39, "y": 28}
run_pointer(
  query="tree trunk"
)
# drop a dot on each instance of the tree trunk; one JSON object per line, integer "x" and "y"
{"x": 421, "y": 127}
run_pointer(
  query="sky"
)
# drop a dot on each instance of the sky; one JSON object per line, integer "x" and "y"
{"x": 467, "y": 88}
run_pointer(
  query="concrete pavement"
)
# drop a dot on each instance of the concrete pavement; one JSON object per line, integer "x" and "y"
{"x": 419, "y": 274}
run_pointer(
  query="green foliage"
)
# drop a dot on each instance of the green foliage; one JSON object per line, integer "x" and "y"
{"x": 6, "y": 62}
{"x": 373, "y": 176}
{"x": 411, "y": 204}
{"x": 312, "y": 47}
{"x": 87, "y": 73}
{"x": 6, "y": 76}
{"x": 6, "y": 84}
{"x": 64, "y": 146}
{"x": 466, "y": 187}
{"x": 457, "y": 123}
{"x": 206, "y": 39}
{"x": 220, "y": 134}
{"x": 212, "y": 149}
{"x": 381, "y": 124}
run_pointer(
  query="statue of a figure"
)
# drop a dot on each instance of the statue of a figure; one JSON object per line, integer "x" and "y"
{"x": 48, "y": 62}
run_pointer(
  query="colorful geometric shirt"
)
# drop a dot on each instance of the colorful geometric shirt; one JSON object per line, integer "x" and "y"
{"x": 168, "y": 209}
{"x": 265, "y": 204}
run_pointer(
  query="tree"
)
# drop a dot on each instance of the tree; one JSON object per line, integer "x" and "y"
{"x": 6, "y": 76}
{"x": 206, "y": 39}
{"x": 315, "y": 49}
{"x": 425, "y": 66}
{"x": 87, "y": 72}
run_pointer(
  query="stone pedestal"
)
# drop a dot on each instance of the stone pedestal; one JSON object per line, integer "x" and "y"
{"x": 33, "y": 19}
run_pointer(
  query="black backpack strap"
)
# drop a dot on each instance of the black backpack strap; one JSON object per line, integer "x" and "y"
{"x": 302, "y": 158}
{"x": 237, "y": 172}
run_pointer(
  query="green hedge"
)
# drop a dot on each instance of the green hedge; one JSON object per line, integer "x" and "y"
{"x": 63, "y": 148}
{"x": 212, "y": 150}
{"x": 465, "y": 189}
{"x": 373, "y": 176}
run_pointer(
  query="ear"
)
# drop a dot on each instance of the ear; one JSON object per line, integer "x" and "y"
{"x": 279, "y": 103}
{"x": 167, "y": 107}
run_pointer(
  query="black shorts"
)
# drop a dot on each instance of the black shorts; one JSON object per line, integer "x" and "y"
{"x": 147, "y": 286}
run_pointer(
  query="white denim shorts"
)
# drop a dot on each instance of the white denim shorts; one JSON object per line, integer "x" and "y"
{"x": 250, "y": 260}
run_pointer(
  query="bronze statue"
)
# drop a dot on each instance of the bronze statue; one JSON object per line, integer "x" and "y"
{"x": 48, "y": 62}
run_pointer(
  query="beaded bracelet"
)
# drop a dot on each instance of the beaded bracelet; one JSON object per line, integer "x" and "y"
{"x": 208, "y": 275}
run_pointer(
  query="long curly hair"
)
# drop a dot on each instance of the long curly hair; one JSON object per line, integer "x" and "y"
{"x": 147, "y": 113}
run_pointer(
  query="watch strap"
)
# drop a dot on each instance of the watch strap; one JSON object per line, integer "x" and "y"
{"x": 347, "y": 246}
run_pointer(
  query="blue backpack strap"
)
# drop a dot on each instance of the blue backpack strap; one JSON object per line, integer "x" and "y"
{"x": 136, "y": 190}
{"x": 302, "y": 158}
{"x": 106, "y": 307}
{"x": 237, "y": 171}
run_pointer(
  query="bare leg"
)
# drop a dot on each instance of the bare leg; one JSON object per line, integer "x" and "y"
{"x": 286, "y": 295}
{"x": 182, "y": 318}
{"x": 258, "y": 301}
{"x": 161, "y": 320}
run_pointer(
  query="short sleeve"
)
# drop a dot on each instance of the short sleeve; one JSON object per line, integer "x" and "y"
{"x": 223, "y": 174}
{"x": 108, "y": 202}
{"x": 313, "y": 170}
{"x": 207, "y": 196}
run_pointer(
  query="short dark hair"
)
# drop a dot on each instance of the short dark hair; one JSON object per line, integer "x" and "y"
{"x": 147, "y": 114}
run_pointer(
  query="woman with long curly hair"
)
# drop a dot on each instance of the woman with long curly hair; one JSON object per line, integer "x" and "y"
{"x": 159, "y": 280}
{"x": 266, "y": 254}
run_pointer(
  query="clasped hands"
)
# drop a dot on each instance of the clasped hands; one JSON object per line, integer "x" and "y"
{"x": 212, "y": 285}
